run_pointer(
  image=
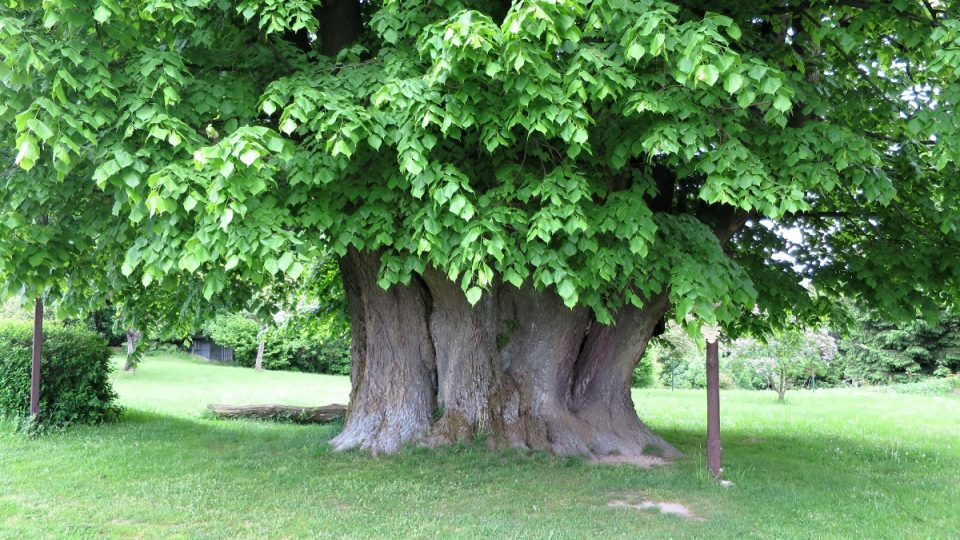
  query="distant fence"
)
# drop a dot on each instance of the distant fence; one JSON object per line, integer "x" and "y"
{"x": 207, "y": 348}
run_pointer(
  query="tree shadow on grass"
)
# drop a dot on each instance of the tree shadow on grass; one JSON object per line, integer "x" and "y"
{"x": 167, "y": 467}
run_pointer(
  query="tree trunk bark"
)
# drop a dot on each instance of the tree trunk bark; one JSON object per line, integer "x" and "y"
{"x": 714, "y": 446}
{"x": 518, "y": 369}
{"x": 130, "y": 364}
{"x": 393, "y": 365}
{"x": 261, "y": 337}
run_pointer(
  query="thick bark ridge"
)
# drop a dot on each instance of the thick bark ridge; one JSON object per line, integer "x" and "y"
{"x": 519, "y": 369}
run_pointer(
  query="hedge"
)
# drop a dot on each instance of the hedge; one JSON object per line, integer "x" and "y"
{"x": 74, "y": 384}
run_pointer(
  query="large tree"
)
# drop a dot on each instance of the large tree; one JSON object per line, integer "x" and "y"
{"x": 518, "y": 192}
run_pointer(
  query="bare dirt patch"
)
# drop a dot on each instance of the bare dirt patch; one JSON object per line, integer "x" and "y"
{"x": 670, "y": 508}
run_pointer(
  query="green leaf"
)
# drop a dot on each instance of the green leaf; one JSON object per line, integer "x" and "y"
{"x": 226, "y": 218}
{"x": 782, "y": 103}
{"x": 635, "y": 51}
{"x": 734, "y": 31}
{"x": 189, "y": 262}
{"x": 285, "y": 261}
{"x": 708, "y": 74}
{"x": 733, "y": 82}
{"x": 771, "y": 85}
{"x": 250, "y": 156}
{"x": 102, "y": 14}
{"x": 189, "y": 203}
{"x": 296, "y": 270}
{"x": 568, "y": 293}
{"x": 457, "y": 204}
{"x": 288, "y": 126}
{"x": 40, "y": 129}
{"x": 473, "y": 295}
{"x": 27, "y": 154}
{"x": 36, "y": 259}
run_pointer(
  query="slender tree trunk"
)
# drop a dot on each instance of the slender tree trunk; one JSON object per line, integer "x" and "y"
{"x": 130, "y": 364}
{"x": 518, "y": 369}
{"x": 714, "y": 446}
{"x": 782, "y": 388}
{"x": 261, "y": 337}
{"x": 35, "y": 361}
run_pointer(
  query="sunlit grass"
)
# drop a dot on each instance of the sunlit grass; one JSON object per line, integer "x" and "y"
{"x": 830, "y": 464}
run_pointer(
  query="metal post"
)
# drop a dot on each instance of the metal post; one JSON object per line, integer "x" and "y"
{"x": 714, "y": 449}
{"x": 35, "y": 364}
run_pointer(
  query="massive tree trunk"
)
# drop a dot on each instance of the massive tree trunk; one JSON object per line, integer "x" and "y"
{"x": 519, "y": 369}
{"x": 393, "y": 362}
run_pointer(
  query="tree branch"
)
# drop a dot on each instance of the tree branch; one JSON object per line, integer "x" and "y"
{"x": 277, "y": 54}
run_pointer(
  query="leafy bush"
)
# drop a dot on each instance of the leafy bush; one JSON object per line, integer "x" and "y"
{"x": 293, "y": 346}
{"x": 75, "y": 384}
{"x": 682, "y": 363}
{"x": 929, "y": 386}
{"x": 238, "y": 332}
{"x": 644, "y": 374}
{"x": 310, "y": 354}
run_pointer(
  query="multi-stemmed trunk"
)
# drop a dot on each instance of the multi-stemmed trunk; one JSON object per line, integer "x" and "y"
{"x": 518, "y": 369}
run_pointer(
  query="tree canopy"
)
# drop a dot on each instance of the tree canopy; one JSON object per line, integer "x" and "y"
{"x": 606, "y": 149}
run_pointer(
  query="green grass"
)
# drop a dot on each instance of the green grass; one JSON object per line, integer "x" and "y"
{"x": 830, "y": 464}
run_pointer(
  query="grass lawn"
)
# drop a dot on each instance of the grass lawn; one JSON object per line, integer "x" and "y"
{"x": 830, "y": 464}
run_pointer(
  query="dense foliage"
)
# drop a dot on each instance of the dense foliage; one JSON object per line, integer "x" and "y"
{"x": 877, "y": 351}
{"x": 75, "y": 385}
{"x": 779, "y": 362}
{"x": 287, "y": 347}
{"x": 597, "y": 149}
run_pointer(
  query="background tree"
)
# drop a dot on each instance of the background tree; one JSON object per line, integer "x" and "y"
{"x": 876, "y": 351}
{"x": 517, "y": 192}
{"x": 783, "y": 360}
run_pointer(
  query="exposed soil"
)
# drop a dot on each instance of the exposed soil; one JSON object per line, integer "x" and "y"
{"x": 671, "y": 508}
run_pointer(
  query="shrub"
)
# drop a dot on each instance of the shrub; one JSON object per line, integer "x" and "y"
{"x": 311, "y": 354}
{"x": 75, "y": 384}
{"x": 240, "y": 334}
{"x": 929, "y": 386}
{"x": 296, "y": 347}
{"x": 643, "y": 374}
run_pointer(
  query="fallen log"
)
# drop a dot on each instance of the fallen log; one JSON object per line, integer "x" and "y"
{"x": 288, "y": 413}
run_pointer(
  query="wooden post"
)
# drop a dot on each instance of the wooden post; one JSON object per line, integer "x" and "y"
{"x": 35, "y": 364}
{"x": 714, "y": 449}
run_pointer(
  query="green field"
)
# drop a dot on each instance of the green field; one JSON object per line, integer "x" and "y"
{"x": 830, "y": 464}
